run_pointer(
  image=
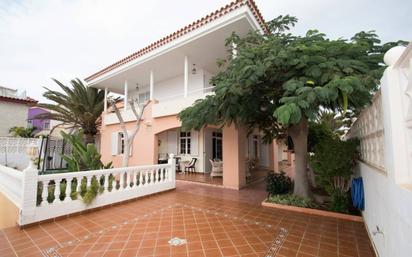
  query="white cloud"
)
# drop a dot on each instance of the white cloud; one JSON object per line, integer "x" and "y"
{"x": 67, "y": 39}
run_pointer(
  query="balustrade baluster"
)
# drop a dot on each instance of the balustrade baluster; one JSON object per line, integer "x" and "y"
{"x": 140, "y": 178}
{"x": 151, "y": 176}
{"x": 56, "y": 191}
{"x": 128, "y": 173}
{"x": 146, "y": 177}
{"x": 121, "y": 181}
{"x": 78, "y": 186}
{"x": 68, "y": 190}
{"x": 156, "y": 176}
{"x": 134, "y": 179}
{"x": 89, "y": 181}
{"x": 45, "y": 193}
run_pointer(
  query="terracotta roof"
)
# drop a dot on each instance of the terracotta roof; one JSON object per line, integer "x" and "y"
{"x": 195, "y": 25}
{"x": 28, "y": 100}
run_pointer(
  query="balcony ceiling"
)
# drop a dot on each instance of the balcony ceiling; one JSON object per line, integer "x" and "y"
{"x": 203, "y": 50}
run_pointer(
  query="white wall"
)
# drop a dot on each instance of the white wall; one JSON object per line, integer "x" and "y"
{"x": 12, "y": 114}
{"x": 388, "y": 205}
{"x": 388, "y": 183}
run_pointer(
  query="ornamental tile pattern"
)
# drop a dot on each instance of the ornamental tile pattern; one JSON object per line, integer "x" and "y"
{"x": 213, "y": 221}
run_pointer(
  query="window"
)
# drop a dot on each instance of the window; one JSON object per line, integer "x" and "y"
{"x": 46, "y": 124}
{"x": 143, "y": 97}
{"x": 121, "y": 143}
{"x": 184, "y": 142}
{"x": 29, "y": 123}
{"x": 217, "y": 145}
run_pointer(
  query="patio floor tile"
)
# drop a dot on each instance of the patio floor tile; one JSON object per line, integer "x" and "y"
{"x": 200, "y": 220}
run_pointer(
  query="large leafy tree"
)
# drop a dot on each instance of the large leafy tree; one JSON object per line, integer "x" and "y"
{"x": 77, "y": 106}
{"x": 279, "y": 81}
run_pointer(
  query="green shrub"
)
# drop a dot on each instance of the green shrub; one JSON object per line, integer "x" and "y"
{"x": 277, "y": 183}
{"x": 293, "y": 200}
{"x": 83, "y": 157}
{"x": 333, "y": 163}
{"x": 339, "y": 202}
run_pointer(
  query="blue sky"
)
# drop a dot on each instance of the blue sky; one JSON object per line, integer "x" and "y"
{"x": 65, "y": 39}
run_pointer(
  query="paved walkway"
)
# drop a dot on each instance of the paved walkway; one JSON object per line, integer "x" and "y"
{"x": 204, "y": 220}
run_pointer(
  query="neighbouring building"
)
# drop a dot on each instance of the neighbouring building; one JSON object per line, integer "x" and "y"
{"x": 14, "y": 107}
{"x": 39, "y": 124}
{"x": 174, "y": 72}
{"x": 44, "y": 127}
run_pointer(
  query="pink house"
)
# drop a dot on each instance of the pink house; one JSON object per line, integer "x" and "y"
{"x": 173, "y": 72}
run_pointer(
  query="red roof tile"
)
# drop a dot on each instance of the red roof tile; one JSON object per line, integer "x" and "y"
{"x": 195, "y": 25}
{"x": 28, "y": 100}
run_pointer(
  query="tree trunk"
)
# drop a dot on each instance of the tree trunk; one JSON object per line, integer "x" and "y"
{"x": 88, "y": 138}
{"x": 299, "y": 135}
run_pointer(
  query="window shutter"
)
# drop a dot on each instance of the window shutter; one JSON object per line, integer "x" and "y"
{"x": 115, "y": 143}
{"x": 194, "y": 144}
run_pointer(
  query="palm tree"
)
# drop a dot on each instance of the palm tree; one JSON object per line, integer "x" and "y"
{"x": 78, "y": 106}
{"x": 336, "y": 123}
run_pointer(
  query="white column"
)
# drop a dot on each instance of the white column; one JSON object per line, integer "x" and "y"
{"x": 28, "y": 195}
{"x": 105, "y": 99}
{"x": 126, "y": 97}
{"x": 186, "y": 76}
{"x": 151, "y": 85}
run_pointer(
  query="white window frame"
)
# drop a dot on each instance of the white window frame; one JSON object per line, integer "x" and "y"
{"x": 186, "y": 141}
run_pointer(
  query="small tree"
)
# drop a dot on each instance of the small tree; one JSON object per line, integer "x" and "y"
{"x": 22, "y": 132}
{"x": 279, "y": 81}
{"x": 138, "y": 110}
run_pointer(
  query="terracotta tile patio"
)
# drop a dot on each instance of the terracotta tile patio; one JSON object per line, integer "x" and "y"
{"x": 256, "y": 175}
{"x": 206, "y": 221}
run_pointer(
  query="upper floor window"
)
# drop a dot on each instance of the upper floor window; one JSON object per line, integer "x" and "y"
{"x": 121, "y": 143}
{"x": 143, "y": 97}
{"x": 184, "y": 142}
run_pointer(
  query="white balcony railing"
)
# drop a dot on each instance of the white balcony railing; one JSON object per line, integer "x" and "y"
{"x": 43, "y": 197}
{"x": 172, "y": 105}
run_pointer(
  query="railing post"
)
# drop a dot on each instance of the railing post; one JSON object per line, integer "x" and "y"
{"x": 172, "y": 169}
{"x": 29, "y": 195}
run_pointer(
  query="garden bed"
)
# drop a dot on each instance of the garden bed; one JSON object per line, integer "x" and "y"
{"x": 318, "y": 212}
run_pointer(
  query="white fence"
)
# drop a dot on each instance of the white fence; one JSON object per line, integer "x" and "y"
{"x": 42, "y": 197}
{"x": 369, "y": 129}
{"x": 13, "y": 151}
{"x": 385, "y": 132}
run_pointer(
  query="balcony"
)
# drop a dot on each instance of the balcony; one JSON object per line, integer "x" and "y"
{"x": 172, "y": 105}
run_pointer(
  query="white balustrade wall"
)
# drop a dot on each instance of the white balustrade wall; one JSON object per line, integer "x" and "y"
{"x": 13, "y": 151}
{"x": 11, "y": 184}
{"x": 368, "y": 128}
{"x": 43, "y": 197}
{"x": 385, "y": 131}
